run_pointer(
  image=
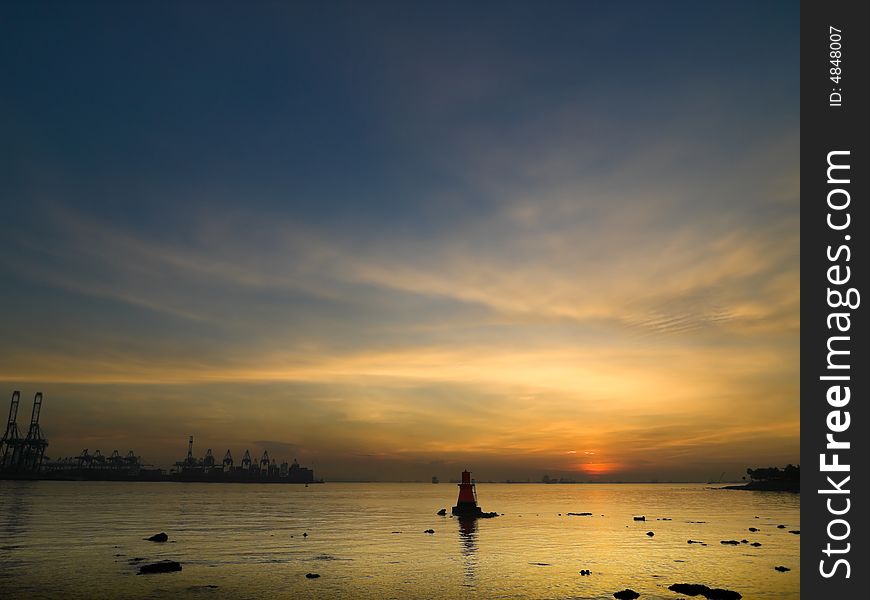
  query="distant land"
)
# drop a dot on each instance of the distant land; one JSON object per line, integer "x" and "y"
{"x": 772, "y": 479}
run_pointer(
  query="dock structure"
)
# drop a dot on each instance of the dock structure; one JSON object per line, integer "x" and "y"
{"x": 23, "y": 454}
{"x": 23, "y": 457}
{"x": 265, "y": 470}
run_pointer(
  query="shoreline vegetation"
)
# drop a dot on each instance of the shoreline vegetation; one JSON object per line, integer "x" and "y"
{"x": 771, "y": 479}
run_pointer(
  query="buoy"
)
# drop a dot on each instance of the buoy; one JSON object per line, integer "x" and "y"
{"x": 466, "y": 504}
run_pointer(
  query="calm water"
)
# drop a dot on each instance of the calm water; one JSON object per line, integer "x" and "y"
{"x": 74, "y": 540}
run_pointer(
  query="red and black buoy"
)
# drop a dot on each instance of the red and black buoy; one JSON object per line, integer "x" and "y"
{"x": 466, "y": 505}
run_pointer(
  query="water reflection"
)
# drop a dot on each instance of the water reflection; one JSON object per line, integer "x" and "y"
{"x": 468, "y": 541}
{"x": 14, "y": 522}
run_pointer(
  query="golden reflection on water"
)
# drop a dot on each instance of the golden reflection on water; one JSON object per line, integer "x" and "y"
{"x": 77, "y": 540}
{"x": 468, "y": 541}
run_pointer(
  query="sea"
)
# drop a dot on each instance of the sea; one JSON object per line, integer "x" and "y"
{"x": 370, "y": 540}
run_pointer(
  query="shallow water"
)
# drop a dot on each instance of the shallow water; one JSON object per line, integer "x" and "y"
{"x": 74, "y": 540}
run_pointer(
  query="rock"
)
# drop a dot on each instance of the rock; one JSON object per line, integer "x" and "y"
{"x": 133, "y": 561}
{"x": 796, "y": 531}
{"x": 395, "y": 532}
{"x": 756, "y": 544}
{"x": 627, "y": 594}
{"x": 780, "y": 526}
{"x": 753, "y": 529}
{"x": 650, "y": 533}
{"x": 640, "y": 518}
{"x": 579, "y": 514}
{"x": 690, "y": 589}
{"x": 305, "y": 534}
{"x": 732, "y": 542}
{"x": 197, "y": 588}
{"x": 744, "y": 541}
{"x": 442, "y": 512}
{"x": 429, "y": 531}
{"x": 312, "y": 575}
{"x": 158, "y": 537}
{"x": 585, "y": 572}
{"x": 782, "y": 569}
{"x": 164, "y": 566}
{"x": 694, "y": 542}
{"x": 696, "y": 589}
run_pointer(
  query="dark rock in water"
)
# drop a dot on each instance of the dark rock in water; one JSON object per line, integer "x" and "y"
{"x": 756, "y": 544}
{"x": 694, "y": 542}
{"x": 305, "y": 535}
{"x": 782, "y": 569}
{"x": 650, "y": 533}
{"x": 579, "y": 514}
{"x": 689, "y": 589}
{"x": 196, "y": 588}
{"x": 312, "y": 575}
{"x": 164, "y": 566}
{"x": 732, "y": 542}
{"x": 429, "y": 531}
{"x": 744, "y": 541}
{"x": 795, "y": 531}
{"x": 753, "y": 529}
{"x": 158, "y": 537}
{"x": 780, "y": 526}
{"x": 640, "y": 518}
{"x": 442, "y": 512}
{"x": 696, "y": 589}
{"x": 585, "y": 572}
{"x": 395, "y": 532}
{"x": 627, "y": 594}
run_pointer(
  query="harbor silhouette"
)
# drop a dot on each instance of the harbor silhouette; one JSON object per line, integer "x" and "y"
{"x": 23, "y": 457}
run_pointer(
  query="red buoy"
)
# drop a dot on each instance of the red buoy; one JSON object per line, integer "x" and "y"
{"x": 466, "y": 505}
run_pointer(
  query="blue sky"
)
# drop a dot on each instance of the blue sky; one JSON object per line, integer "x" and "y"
{"x": 376, "y": 232}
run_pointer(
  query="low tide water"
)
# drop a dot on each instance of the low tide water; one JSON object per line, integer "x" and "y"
{"x": 368, "y": 540}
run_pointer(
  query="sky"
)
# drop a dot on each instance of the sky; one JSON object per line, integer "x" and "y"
{"x": 395, "y": 240}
